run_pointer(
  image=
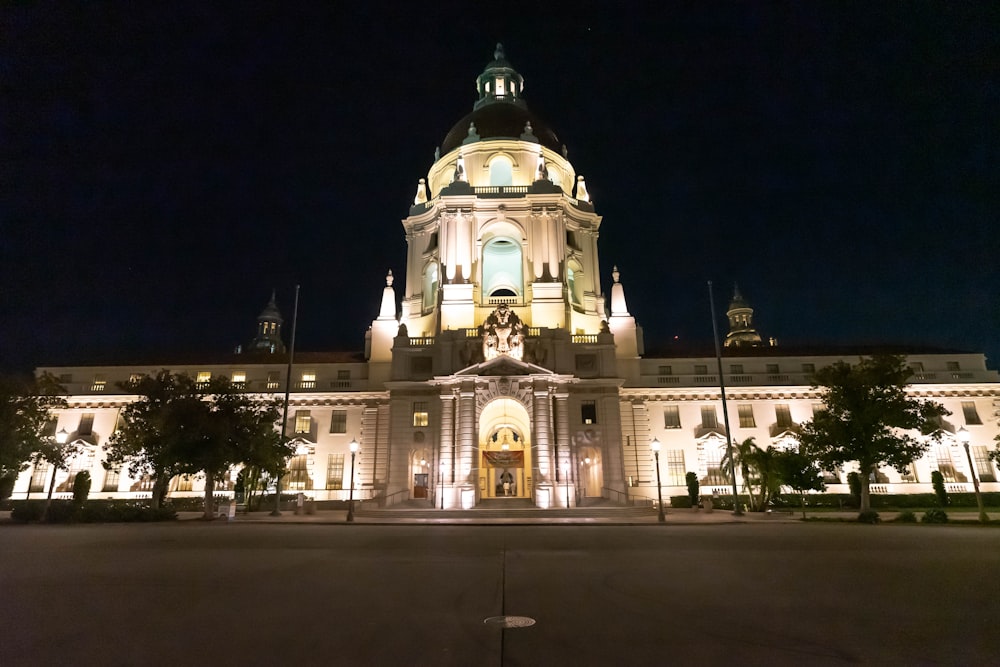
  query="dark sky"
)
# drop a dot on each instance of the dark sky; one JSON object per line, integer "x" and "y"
{"x": 164, "y": 165}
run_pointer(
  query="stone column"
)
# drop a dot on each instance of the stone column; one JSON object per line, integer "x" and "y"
{"x": 542, "y": 436}
{"x": 466, "y": 468}
{"x": 563, "y": 439}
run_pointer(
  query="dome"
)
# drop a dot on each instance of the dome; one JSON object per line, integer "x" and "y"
{"x": 500, "y": 111}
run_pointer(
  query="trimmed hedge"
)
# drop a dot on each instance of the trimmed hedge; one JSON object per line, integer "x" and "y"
{"x": 93, "y": 511}
{"x": 844, "y": 501}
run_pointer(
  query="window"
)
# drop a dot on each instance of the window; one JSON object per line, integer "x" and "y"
{"x": 303, "y": 421}
{"x": 338, "y": 421}
{"x": 86, "y": 426}
{"x": 183, "y": 483}
{"x": 817, "y": 407}
{"x": 984, "y": 467}
{"x": 783, "y": 415}
{"x": 736, "y": 369}
{"x": 700, "y": 369}
{"x": 666, "y": 370}
{"x": 99, "y": 383}
{"x": 420, "y": 416}
{"x": 297, "y": 478}
{"x": 49, "y": 430}
{"x": 239, "y": 377}
{"x": 971, "y": 415}
{"x": 953, "y": 366}
{"x": 335, "y": 471}
{"x": 708, "y": 417}
{"x": 831, "y": 476}
{"x": 273, "y": 379}
{"x": 671, "y": 416}
{"x": 501, "y": 168}
{"x": 39, "y": 477}
{"x": 713, "y": 466}
{"x": 203, "y": 377}
{"x": 675, "y": 467}
{"x": 772, "y": 369}
{"x": 65, "y": 378}
{"x": 746, "y": 416}
{"x": 111, "y": 479}
{"x": 308, "y": 380}
{"x": 135, "y": 378}
{"x": 344, "y": 375}
{"x": 808, "y": 368}
{"x": 945, "y": 465}
{"x": 80, "y": 463}
{"x": 917, "y": 366}
{"x": 911, "y": 474}
{"x": 588, "y": 412}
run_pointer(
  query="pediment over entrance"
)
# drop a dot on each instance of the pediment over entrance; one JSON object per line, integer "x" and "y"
{"x": 504, "y": 366}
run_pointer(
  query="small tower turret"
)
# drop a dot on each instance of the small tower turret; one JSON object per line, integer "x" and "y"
{"x": 741, "y": 329}
{"x": 268, "y": 338}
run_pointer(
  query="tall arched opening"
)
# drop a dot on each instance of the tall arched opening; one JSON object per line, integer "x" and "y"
{"x": 505, "y": 450}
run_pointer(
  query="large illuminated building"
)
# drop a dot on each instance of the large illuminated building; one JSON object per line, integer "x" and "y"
{"x": 498, "y": 367}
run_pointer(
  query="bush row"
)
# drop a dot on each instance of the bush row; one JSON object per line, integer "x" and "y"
{"x": 93, "y": 511}
{"x": 846, "y": 501}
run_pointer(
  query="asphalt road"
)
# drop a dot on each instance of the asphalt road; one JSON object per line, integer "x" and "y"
{"x": 217, "y": 594}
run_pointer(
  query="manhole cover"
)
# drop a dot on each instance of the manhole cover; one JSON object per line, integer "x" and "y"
{"x": 510, "y": 621}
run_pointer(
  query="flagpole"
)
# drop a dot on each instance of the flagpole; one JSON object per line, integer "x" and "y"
{"x": 284, "y": 413}
{"x": 725, "y": 412}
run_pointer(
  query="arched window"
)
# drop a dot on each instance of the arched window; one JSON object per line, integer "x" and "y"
{"x": 430, "y": 286}
{"x": 501, "y": 171}
{"x": 502, "y": 275}
{"x": 573, "y": 272}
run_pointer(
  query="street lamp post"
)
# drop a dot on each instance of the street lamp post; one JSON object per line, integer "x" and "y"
{"x": 964, "y": 436}
{"x": 441, "y": 481}
{"x": 655, "y": 446}
{"x": 350, "y": 498}
{"x": 565, "y": 469}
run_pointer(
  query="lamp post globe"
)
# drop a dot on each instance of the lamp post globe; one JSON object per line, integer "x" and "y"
{"x": 655, "y": 446}
{"x": 964, "y": 437}
{"x": 350, "y": 498}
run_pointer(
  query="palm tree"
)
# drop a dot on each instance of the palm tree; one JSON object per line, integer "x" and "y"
{"x": 743, "y": 453}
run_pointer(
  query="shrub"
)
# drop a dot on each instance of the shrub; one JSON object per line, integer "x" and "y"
{"x": 81, "y": 487}
{"x": 692, "y": 483}
{"x": 935, "y": 515}
{"x": 937, "y": 481}
{"x": 680, "y": 502}
{"x": 906, "y": 517}
{"x": 27, "y": 511}
{"x": 869, "y": 517}
{"x": 854, "y": 483}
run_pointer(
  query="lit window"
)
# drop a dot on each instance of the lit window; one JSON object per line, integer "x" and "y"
{"x": 708, "y": 417}
{"x": 111, "y": 478}
{"x": 783, "y": 415}
{"x": 338, "y": 421}
{"x": 498, "y": 86}
{"x": 971, "y": 415}
{"x": 203, "y": 377}
{"x": 86, "y": 426}
{"x": 746, "y": 416}
{"x": 671, "y": 416}
{"x": 945, "y": 464}
{"x": 273, "y": 379}
{"x": 99, "y": 383}
{"x": 308, "y": 380}
{"x": 39, "y": 477}
{"x": 420, "y": 416}
{"x": 303, "y": 421}
{"x": 297, "y": 478}
{"x": 588, "y": 412}
{"x": 239, "y": 377}
{"x": 135, "y": 378}
{"x": 675, "y": 467}
{"x": 335, "y": 471}
{"x": 984, "y": 467}
{"x": 713, "y": 467}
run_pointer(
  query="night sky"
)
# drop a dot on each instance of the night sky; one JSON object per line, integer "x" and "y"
{"x": 165, "y": 165}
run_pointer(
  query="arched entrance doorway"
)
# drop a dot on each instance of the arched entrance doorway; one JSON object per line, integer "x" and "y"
{"x": 420, "y": 478}
{"x": 504, "y": 450}
{"x": 591, "y": 474}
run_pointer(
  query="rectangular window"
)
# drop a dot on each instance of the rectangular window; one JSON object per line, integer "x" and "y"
{"x": 808, "y": 368}
{"x": 111, "y": 479}
{"x": 203, "y": 377}
{"x": 273, "y": 379}
{"x": 308, "y": 380}
{"x": 713, "y": 467}
{"x": 666, "y": 370}
{"x": 239, "y": 377}
{"x": 86, "y": 426}
{"x": 772, "y": 369}
{"x": 953, "y": 366}
{"x": 945, "y": 465}
{"x": 736, "y": 369}
{"x": 420, "y": 415}
{"x": 700, "y": 369}
{"x": 675, "y": 467}
{"x": 783, "y": 415}
{"x": 78, "y": 465}
{"x": 39, "y": 477}
{"x": 335, "y": 471}
{"x": 338, "y": 421}
{"x": 708, "y": 417}
{"x": 984, "y": 467}
{"x": 99, "y": 383}
{"x": 65, "y": 378}
{"x": 588, "y": 412}
{"x": 49, "y": 430}
{"x": 183, "y": 483}
{"x": 297, "y": 478}
{"x": 746, "y": 416}
{"x": 303, "y": 421}
{"x": 343, "y": 375}
{"x": 831, "y": 476}
{"x": 911, "y": 474}
{"x": 671, "y": 416}
{"x": 971, "y": 415}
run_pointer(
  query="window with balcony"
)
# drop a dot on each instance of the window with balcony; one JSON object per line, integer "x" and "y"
{"x": 308, "y": 380}
{"x": 273, "y": 379}
{"x": 772, "y": 369}
{"x": 671, "y": 416}
{"x": 303, "y": 421}
{"x": 239, "y": 378}
{"x": 809, "y": 368}
{"x": 665, "y": 370}
{"x": 203, "y": 377}
{"x": 700, "y": 369}
{"x": 99, "y": 383}
{"x": 736, "y": 369}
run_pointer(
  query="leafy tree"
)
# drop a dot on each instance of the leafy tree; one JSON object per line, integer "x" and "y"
{"x": 766, "y": 474}
{"x": 868, "y": 418}
{"x": 937, "y": 483}
{"x": 57, "y": 455}
{"x": 25, "y": 416}
{"x": 799, "y": 473}
{"x": 691, "y": 479}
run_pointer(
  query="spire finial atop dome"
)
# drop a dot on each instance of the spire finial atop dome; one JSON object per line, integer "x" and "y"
{"x": 498, "y": 52}
{"x": 499, "y": 82}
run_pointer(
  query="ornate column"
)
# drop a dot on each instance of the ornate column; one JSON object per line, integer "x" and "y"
{"x": 542, "y": 437}
{"x": 466, "y": 468}
{"x": 563, "y": 441}
{"x": 446, "y": 449}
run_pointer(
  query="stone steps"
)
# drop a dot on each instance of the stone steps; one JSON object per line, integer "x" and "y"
{"x": 489, "y": 513}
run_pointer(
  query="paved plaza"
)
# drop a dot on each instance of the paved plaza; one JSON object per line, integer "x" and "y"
{"x": 191, "y": 593}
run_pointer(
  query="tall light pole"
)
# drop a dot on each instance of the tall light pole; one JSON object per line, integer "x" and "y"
{"x": 964, "y": 436}
{"x": 725, "y": 411}
{"x": 655, "y": 446}
{"x": 441, "y": 481}
{"x": 350, "y": 498}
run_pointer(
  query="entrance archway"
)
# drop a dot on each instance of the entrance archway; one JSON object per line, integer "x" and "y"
{"x": 420, "y": 478}
{"x": 505, "y": 450}
{"x": 591, "y": 474}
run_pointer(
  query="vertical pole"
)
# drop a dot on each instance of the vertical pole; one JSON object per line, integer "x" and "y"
{"x": 350, "y": 497}
{"x": 659, "y": 489}
{"x": 983, "y": 516}
{"x": 284, "y": 413}
{"x": 725, "y": 412}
